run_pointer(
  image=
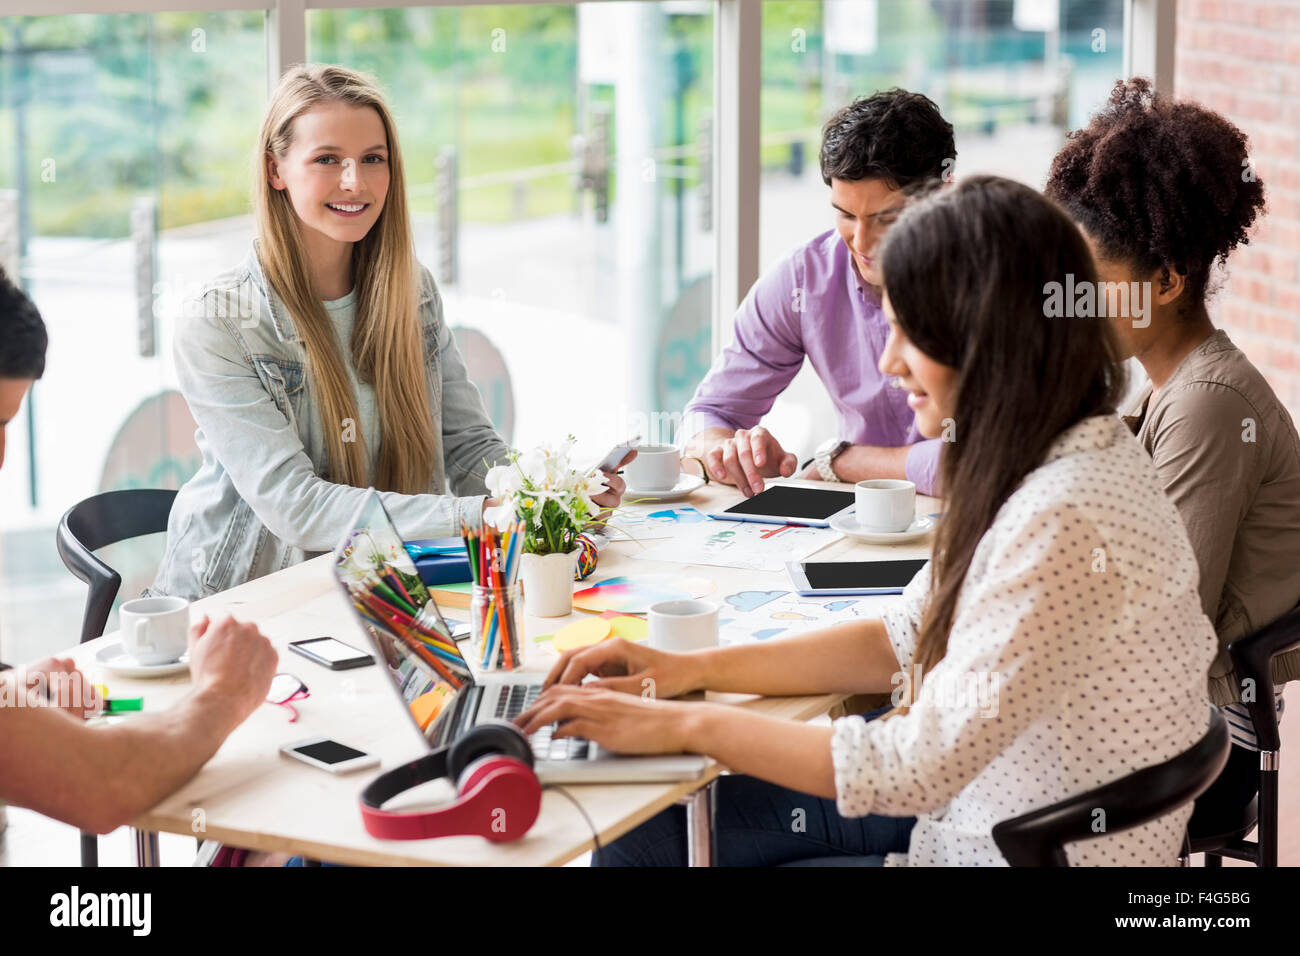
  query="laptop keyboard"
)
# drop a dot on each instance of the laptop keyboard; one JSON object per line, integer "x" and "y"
{"x": 518, "y": 698}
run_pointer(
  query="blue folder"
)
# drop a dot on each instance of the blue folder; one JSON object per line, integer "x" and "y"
{"x": 440, "y": 560}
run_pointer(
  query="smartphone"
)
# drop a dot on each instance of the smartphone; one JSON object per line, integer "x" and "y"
{"x": 325, "y": 754}
{"x": 832, "y": 578}
{"x": 331, "y": 653}
{"x": 615, "y": 455}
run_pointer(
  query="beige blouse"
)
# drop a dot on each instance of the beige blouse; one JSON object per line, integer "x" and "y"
{"x": 1227, "y": 453}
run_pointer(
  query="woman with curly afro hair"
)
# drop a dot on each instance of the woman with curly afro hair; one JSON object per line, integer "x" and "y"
{"x": 1164, "y": 192}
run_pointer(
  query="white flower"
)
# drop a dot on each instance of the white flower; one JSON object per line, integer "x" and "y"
{"x": 500, "y": 481}
{"x": 591, "y": 486}
{"x": 537, "y": 477}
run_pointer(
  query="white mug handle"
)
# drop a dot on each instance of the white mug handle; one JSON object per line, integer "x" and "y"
{"x": 142, "y": 641}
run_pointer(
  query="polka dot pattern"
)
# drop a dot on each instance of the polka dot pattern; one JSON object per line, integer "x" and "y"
{"x": 1078, "y": 654}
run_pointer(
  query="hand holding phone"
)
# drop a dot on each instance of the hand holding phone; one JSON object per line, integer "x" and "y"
{"x": 615, "y": 455}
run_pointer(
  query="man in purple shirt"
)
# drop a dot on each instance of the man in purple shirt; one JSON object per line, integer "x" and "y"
{"x": 823, "y": 302}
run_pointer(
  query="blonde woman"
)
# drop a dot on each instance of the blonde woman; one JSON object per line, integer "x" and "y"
{"x": 322, "y": 364}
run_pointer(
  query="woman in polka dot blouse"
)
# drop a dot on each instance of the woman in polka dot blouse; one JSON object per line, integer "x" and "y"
{"x": 1054, "y": 643}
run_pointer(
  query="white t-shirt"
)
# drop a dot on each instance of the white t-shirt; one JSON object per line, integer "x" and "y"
{"x": 1078, "y": 654}
{"x": 343, "y": 314}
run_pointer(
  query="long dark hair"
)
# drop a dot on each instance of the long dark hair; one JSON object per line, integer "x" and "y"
{"x": 968, "y": 272}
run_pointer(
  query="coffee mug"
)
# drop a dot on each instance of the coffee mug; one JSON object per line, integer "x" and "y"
{"x": 155, "y": 630}
{"x": 885, "y": 504}
{"x": 655, "y": 468}
{"x": 683, "y": 625}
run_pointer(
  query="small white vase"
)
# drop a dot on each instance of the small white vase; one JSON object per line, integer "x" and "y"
{"x": 548, "y": 583}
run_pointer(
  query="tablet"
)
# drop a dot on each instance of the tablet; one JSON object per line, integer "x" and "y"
{"x": 831, "y": 578}
{"x": 789, "y": 504}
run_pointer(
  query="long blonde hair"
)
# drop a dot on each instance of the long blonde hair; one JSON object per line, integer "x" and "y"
{"x": 387, "y": 343}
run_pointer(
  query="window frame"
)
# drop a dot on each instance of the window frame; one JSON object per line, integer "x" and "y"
{"x": 1149, "y": 31}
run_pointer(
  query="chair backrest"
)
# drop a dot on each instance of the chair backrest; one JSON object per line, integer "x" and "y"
{"x": 96, "y": 523}
{"x": 1252, "y": 659}
{"x": 1038, "y": 838}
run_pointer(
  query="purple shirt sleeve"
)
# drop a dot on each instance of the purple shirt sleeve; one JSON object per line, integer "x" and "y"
{"x": 922, "y": 468}
{"x": 765, "y": 355}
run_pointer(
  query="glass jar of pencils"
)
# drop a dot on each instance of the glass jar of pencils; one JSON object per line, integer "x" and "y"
{"x": 497, "y": 626}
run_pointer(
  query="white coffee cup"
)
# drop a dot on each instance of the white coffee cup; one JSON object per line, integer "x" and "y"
{"x": 683, "y": 625}
{"x": 155, "y": 630}
{"x": 655, "y": 468}
{"x": 885, "y": 504}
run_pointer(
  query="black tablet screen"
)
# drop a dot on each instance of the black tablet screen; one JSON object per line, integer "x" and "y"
{"x": 839, "y": 575}
{"x": 785, "y": 501}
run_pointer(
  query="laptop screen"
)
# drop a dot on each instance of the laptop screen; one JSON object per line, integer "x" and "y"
{"x": 401, "y": 619}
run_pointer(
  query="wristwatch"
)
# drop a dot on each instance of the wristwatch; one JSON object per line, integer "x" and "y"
{"x": 826, "y": 454}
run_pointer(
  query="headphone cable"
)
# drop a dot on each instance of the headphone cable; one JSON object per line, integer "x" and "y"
{"x": 595, "y": 836}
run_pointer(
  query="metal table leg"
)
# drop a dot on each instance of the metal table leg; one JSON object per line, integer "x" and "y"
{"x": 146, "y": 847}
{"x": 699, "y": 827}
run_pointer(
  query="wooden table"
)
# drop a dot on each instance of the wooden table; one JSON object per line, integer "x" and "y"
{"x": 249, "y": 796}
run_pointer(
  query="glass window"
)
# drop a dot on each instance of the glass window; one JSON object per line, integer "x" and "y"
{"x": 124, "y": 178}
{"x": 1012, "y": 76}
{"x": 554, "y": 156}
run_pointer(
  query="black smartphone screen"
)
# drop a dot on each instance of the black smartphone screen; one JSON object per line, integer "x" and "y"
{"x": 329, "y": 751}
{"x": 839, "y": 575}
{"x": 786, "y": 501}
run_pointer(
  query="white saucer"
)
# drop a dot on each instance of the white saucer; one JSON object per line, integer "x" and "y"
{"x": 113, "y": 659}
{"x": 686, "y": 484}
{"x": 846, "y": 523}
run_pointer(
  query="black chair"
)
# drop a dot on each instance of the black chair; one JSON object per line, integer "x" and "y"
{"x": 93, "y": 524}
{"x": 1252, "y": 659}
{"x": 1038, "y": 838}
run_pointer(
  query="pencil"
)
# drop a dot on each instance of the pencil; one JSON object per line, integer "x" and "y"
{"x": 395, "y": 628}
{"x": 401, "y": 589}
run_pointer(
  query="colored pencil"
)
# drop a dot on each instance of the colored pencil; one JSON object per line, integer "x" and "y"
{"x": 396, "y": 582}
{"x": 394, "y": 627}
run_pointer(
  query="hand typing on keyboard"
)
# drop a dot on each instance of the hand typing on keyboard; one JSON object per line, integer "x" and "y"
{"x": 546, "y": 746}
{"x": 621, "y": 723}
{"x": 632, "y": 668}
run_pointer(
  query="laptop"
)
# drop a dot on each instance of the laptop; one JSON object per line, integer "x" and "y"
{"x": 438, "y": 690}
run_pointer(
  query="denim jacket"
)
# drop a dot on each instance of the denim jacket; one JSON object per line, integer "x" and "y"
{"x": 261, "y": 501}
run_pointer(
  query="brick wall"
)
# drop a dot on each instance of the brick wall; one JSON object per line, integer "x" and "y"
{"x": 1242, "y": 59}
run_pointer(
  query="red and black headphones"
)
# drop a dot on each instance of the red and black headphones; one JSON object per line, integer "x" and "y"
{"x": 498, "y": 796}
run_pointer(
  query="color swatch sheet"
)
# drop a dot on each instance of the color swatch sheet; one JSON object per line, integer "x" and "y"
{"x": 760, "y": 615}
{"x": 634, "y": 593}
{"x": 740, "y": 544}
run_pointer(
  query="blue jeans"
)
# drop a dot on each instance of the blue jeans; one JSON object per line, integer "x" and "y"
{"x": 761, "y": 824}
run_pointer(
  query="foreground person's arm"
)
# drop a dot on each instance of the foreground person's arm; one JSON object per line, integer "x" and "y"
{"x": 98, "y": 779}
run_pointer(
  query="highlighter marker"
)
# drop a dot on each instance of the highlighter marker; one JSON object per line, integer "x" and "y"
{"x": 118, "y": 705}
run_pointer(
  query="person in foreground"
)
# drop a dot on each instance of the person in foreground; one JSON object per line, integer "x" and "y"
{"x": 323, "y": 364}
{"x": 822, "y": 302}
{"x": 1164, "y": 191}
{"x": 1056, "y": 634}
{"x": 51, "y": 760}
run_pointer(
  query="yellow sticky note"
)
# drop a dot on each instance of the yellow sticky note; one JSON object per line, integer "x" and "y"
{"x": 580, "y": 634}
{"x": 629, "y": 628}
